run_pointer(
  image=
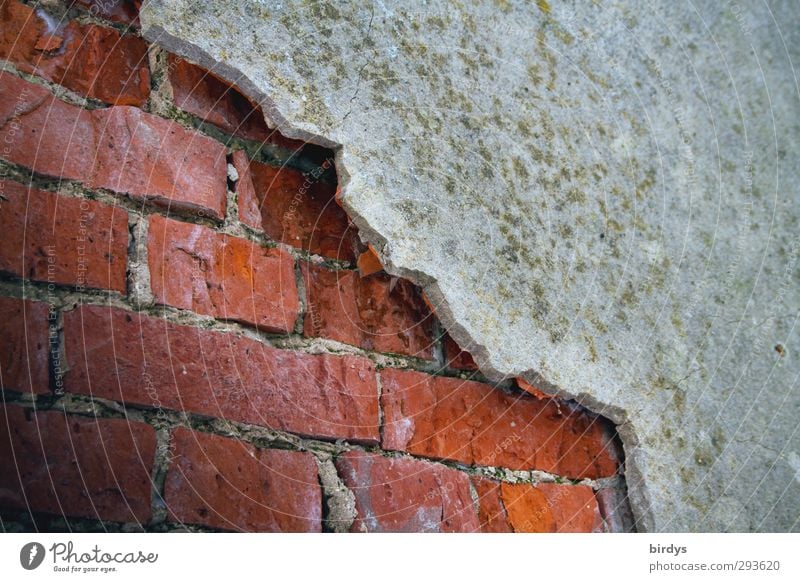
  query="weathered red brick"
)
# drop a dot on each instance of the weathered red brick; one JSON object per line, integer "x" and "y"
{"x": 249, "y": 206}
{"x": 527, "y": 508}
{"x": 93, "y": 60}
{"x": 228, "y": 484}
{"x": 549, "y": 507}
{"x": 120, "y": 148}
{"x": 574, "y": 507}
{"x": 133, "y": 358}
{"x": 449, "y": 418}
{"x": 24, "y": 344}
{"x": 201, "y": 93}
{"x": 491, "y": 513}
{"x": 455, "y": 357}
{"x": 192, "y": 267}
{"x": 122, "y": 11}
{"x": 75, "y": 466}
{"x": 366, "y": 312}
{"x": 57, "y": 239}
{"x": 301, "y": 211}
{"x": 405, "y": 495}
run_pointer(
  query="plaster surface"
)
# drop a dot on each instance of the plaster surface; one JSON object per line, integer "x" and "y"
{"x": 602, "y": 198}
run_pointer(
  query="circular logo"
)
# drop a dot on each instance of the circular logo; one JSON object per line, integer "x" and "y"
{"x": 31, "y": 555}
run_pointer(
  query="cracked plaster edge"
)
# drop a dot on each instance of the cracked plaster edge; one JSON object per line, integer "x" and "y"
{"x": 638, "y": 488}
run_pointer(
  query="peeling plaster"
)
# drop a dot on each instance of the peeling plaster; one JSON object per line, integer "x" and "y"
{"x": 602, "y": 199}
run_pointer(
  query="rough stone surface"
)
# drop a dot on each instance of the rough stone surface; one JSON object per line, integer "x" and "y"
{"x": 599, "y": 198}
{"x": 231, "y": 485}
{"x": 75, "y": 466}
{"x": 406, "y": 495}
{"x": 133, "y": 358}
{"x": 192, "y": 267}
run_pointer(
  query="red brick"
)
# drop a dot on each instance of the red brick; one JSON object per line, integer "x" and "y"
{"x": 91, "y": 60}
{"x": 57, "y": 239}
{"x": 249, "y": 206}
{"x": 491, "y": 514}
{"x": 301, "y": 211}
{"x": 192, "y": 267}
{"x": 471, "y": 422}
{"x": 549, "y": 507}
{"x": 120, "y": 148}
{"x": 455, "y": 357}
{"x": 527, "y": 508}
{"x": 574, "y": 507}
{"x": 80, "y": 467}
{"x": 24, "y": 343}
{"x": 366, "y": 311}
{"x": 228, "y": 484}
{"x": 199, "y": 92}
{"x": 133, "y": 358}
{"x": 122, "y": 11}
{"x": 405, "y": 495}
{"x": 203, "y": 94}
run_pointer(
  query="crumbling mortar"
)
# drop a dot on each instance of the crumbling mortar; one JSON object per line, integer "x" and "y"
{"x": 139, "y": 288}
{"x": 161, "y": 463}
{"x": 85, "y": 16}
{"x": 300, "y": 283}
{"x": 338, "y": 501}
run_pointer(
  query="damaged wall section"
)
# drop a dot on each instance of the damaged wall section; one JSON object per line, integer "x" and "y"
{"x": 185, "y": 302}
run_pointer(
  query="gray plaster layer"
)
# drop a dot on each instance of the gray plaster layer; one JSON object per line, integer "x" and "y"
{"x": 601, "y": 198}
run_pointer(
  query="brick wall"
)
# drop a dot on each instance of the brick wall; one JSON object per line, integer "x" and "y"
{"x": 194, "y": 337}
